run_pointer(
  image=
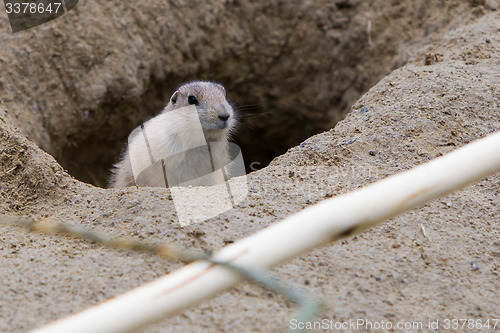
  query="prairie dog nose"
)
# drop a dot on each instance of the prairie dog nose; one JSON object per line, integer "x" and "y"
{"x": 224, "y": 116}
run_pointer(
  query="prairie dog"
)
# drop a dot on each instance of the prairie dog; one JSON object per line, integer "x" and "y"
{"x": 177, "y": 144}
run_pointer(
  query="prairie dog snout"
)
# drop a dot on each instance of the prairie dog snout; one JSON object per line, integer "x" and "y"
{"x": 180, "y": 151}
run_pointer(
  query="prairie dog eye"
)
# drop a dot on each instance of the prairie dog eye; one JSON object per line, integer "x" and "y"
{"x": 192, "y": 100}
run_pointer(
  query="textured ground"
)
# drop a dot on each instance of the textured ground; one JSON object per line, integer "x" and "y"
{"x": 68, "y": 92}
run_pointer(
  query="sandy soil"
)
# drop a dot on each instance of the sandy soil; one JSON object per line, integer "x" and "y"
{"x": 443, "y": 93}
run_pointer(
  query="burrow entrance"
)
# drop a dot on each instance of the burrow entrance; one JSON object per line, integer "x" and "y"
{"x": 283, "y": 95}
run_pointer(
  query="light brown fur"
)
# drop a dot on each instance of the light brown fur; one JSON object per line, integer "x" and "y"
{"x": 169, "y": 137}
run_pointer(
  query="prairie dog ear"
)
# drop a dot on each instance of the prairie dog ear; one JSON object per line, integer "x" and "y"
{"x": 173, "y": 99}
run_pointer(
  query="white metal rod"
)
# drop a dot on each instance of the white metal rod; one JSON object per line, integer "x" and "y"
{"x": 317, "y": 225}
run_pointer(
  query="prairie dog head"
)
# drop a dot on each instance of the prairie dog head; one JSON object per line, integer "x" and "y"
{"x": 215, "y": 113}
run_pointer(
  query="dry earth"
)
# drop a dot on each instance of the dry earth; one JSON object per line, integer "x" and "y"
{"x": 434, "y": 73}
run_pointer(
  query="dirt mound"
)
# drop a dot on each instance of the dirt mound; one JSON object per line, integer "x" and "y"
{"x": 293, "y": 70}
{"x": 104, "y": 68}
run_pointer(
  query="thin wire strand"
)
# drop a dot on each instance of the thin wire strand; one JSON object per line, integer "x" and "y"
{"x": 308, "y": 307}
